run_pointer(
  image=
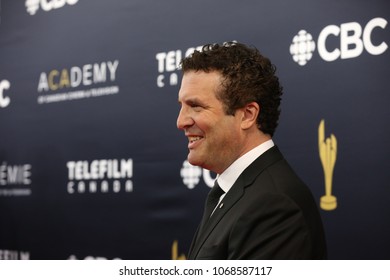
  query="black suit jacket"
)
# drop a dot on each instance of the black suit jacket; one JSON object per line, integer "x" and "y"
{"x": 269, "y": 213}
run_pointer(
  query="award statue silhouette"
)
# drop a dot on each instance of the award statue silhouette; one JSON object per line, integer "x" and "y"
{"x": 328, "y": 153}
{"x": 175, "y": 252}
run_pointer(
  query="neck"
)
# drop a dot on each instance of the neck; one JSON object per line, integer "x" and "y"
{"x": 255, "y": 138}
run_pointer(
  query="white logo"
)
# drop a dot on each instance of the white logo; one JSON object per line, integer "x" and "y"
{"x": 100, "y": 176}
{"x": 46, "y": 5}
{"x": 191, "y": 175}
{"x": 90, "y": 258}
{"x": 4, "y": 100}
{"x": 14, "y": 255}
{"x": 353, "y": 38}
{"x": 14, "y": 180}
{"x": 302, "y": 47}
{"x": 168, "y": 65}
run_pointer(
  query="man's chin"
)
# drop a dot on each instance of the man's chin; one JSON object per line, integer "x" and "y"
{"x": 194, "y": 160}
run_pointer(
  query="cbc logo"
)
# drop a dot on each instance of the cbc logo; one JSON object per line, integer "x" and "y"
{"x": 4, "y": 100}
{"x": 353, "y": 40}
{"x": 46, "y": 5}
{"x": 191, "y": 175}
{"x": 302, "y": 47}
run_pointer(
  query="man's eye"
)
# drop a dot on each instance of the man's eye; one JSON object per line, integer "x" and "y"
{"x": 195, "y": 105}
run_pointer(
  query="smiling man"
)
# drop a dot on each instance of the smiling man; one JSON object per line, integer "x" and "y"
{"x": 258, "y": 208}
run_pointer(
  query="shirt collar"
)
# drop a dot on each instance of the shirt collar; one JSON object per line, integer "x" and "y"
{"x": 227, "y": 178}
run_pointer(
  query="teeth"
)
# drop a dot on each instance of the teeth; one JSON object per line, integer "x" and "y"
{"x": 193, "y": 139}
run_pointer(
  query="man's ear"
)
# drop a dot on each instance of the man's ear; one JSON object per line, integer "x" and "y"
{"x": 250, "y": 113}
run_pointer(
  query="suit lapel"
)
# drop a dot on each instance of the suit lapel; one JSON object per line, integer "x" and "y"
{"x": 234, "y": 194}
{"x": 228, "y": 201}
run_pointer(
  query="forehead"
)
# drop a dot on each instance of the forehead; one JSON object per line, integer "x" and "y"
{"x": 199, "y": 84}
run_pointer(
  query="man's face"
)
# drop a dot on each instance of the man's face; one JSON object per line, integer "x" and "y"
{"x": 213, "y": 137}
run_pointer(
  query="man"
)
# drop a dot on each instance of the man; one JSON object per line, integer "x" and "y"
{"x": 230, "y": 100}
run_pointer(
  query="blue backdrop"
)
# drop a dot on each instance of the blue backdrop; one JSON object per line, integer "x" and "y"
{"x": 92, "y": 164}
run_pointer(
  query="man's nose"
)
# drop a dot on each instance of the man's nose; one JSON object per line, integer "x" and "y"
{"x": 183, "y": 119}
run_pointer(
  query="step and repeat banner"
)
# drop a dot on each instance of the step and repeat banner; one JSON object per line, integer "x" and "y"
{"x": 92, "y": 165}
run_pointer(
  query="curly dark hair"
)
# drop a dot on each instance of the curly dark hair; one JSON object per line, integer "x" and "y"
{"x": 248, "y": 77}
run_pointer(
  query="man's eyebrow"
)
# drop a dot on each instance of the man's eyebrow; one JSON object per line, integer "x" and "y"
{"x": 193, "y": 100}
{"x": 196, "y": 101}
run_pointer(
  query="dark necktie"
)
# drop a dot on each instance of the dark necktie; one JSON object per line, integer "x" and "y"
{"x": 211, "y": 203}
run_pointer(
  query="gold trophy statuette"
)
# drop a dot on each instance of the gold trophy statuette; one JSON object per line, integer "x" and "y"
{"x": 328, "y": 153}
{"x": 175, "y": 252}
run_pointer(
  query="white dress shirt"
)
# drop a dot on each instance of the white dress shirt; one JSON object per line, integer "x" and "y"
{"x": 227, "y": 178}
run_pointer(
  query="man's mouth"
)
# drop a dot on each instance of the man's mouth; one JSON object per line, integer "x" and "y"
{"x": 193, "y": 139}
